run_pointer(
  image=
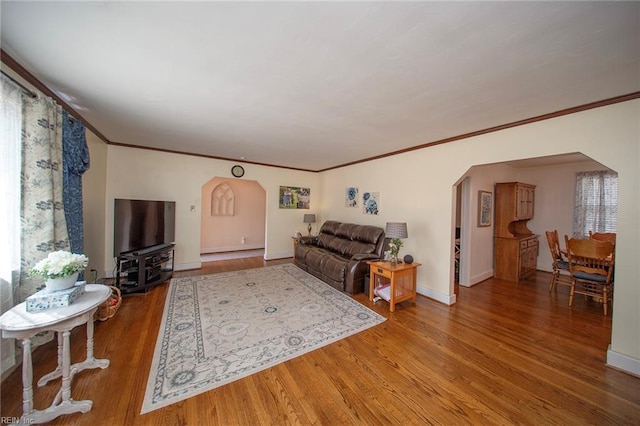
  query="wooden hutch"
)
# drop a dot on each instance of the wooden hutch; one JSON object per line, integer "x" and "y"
{"x": 515, "y": 246}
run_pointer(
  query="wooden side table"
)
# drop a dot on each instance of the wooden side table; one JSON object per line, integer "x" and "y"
{"x": 20, "y": 324}
{"x": 402, "y": 285}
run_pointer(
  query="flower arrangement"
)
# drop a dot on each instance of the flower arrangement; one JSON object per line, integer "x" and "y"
{"x": 394, "y": 246}
{"x": 60, "y": 264}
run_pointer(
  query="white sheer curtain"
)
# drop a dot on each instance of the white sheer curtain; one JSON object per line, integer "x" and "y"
{"x": 10, "y": 134}
{"x": 596, "y": 204}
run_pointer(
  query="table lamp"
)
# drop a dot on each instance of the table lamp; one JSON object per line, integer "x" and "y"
{"x": 396, "y": 230}
{"x": 309, "y": 218}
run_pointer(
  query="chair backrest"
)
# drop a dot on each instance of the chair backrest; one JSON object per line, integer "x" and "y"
{"x": 591, "y": 256}
{"x": 603, "y": 236}
{"x": 554, "y": 246}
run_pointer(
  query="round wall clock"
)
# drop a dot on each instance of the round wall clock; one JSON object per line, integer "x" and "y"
{"x": 237, "y": 171}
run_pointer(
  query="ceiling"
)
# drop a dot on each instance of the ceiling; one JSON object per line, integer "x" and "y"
{"x": 315, "y": 85}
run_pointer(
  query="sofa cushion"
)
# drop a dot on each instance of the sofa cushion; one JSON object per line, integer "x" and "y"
{"x": 329, "y": 227}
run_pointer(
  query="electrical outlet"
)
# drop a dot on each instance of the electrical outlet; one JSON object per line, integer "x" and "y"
{"x": 244, "y": 240}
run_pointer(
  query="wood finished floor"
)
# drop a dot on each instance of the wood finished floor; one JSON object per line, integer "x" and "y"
{"x": 506, "y": 353}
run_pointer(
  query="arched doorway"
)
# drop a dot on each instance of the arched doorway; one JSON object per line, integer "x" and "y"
{"x": 233, "y": 219}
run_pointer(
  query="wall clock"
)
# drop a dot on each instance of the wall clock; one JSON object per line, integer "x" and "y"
{"x": 237, "y": 171}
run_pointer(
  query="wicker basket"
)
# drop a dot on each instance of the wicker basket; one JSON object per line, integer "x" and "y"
{"x": 110, "y": 306}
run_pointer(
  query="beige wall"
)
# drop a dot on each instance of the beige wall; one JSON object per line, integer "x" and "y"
{"x": 94, "y": 195}
{"x": 245, "y": 228}
{"x": 418, "y": 187}
{"x": 145, "y": 174}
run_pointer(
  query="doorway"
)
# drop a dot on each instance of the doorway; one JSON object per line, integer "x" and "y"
{"x": 233, "y": 219}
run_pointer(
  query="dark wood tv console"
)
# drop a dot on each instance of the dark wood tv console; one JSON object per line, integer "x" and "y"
{"x": 141, "y": 269}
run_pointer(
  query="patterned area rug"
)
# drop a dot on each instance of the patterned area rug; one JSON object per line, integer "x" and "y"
{"x": 223, "y": 327}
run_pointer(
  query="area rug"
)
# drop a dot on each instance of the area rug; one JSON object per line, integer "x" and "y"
{"x": 223, "y": 327}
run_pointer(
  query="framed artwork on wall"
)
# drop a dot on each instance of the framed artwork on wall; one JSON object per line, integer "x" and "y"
{"x": 292, "y": 197}
{"x": 485, "y": 204}
{"x": 370, "y": 202}
{"x": 351, "y": 197}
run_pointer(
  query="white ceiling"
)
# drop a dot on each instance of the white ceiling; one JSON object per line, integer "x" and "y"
{"x": 314, "y": 85}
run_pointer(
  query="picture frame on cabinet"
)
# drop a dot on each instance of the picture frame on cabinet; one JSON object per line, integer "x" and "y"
{"x": 485, "y": 208}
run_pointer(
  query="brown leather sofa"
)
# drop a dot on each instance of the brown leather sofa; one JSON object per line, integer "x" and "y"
{"x": 339, "y": 254}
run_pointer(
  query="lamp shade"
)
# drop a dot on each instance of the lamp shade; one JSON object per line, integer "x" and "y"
{"x": 309, "y": 218}
{"x": 396, "y": 230}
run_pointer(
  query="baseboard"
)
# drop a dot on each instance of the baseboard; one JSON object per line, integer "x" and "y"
{"x": 187, "y": 266}
{"x": 281, "y": 255}
{"x": 231, "y": 248}
{"x": 623, "y": 362}
{"x": 440, "y": 297}
{"x": 476, "y": 279}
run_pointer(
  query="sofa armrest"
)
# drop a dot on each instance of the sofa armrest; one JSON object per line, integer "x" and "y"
{"x": 308, "y": 240}
{"x": 365, "y": 256}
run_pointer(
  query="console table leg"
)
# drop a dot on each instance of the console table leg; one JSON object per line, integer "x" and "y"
{"x": 27, "y": 378}
{"x": 91, "y": 361}
{"x": 57, "y": 372}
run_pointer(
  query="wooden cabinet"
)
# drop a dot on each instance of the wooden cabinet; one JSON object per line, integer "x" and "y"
{"x": 524, "y": 201}
{"x": 516, "y": 259}
{"x": 515, "y": 246}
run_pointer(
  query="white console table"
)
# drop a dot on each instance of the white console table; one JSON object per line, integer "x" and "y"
{"x": 20, "y": 324}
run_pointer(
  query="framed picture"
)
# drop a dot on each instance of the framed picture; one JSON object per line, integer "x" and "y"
{"x": 292, "y": 197}
{"x": 370, "y": 202}
{"x": 351, "y": 197}
{"x": 485, "y": 204}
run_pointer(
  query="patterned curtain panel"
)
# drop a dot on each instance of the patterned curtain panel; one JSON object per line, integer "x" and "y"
{"x": 75, "y": 163}
{"x": 44, "y": 228}
{"x": 596, "y": 203}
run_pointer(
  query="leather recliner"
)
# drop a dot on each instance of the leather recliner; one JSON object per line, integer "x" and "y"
{"x": 339, "y": 254}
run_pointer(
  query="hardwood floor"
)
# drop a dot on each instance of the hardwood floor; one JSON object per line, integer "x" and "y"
{"x": 506, "y": 353}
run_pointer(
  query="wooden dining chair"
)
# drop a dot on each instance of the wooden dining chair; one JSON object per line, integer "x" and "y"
{"x": 559, "y": 263}
{"x": 591, "y": 264}
{"x": 603, "y": 236}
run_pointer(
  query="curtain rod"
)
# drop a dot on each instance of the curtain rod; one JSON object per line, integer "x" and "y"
{"x": 22, "y": 86}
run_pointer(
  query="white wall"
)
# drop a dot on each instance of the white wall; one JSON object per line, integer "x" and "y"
{"x": 155, "y": 175}
{"x": 417, "y": 187}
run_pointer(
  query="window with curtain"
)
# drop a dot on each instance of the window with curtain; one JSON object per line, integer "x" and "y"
{"x": 10, "y": 131}
{"x": 596, "y": 203}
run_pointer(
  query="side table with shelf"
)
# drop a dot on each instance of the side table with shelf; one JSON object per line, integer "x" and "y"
{"x": 139, "y": 270}
{"x": 402, "y": 282}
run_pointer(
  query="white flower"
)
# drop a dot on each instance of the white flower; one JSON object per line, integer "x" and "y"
{"x": 60, "y": 264}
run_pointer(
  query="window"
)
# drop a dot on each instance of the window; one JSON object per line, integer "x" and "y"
{"x": 596, "y": 203}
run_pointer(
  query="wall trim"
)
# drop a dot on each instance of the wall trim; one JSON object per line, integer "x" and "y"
{"x": 623, "y": 362}
{"x": 242, "y": 247}
{"x": 281, "y": 255}
{"x": 477, "y": 279}
{"x": 187, "y": 266}
{"x": 447, "y": 299}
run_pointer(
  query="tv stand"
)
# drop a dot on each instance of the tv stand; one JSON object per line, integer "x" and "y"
{"x": 140, "y": 270}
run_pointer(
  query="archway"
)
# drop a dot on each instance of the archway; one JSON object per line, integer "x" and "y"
{"x": 233, "y": 219}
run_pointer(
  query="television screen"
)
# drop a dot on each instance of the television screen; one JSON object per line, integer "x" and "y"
{"x": 140, "y": 224}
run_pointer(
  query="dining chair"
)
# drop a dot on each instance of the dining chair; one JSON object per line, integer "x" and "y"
{"x": 603, "y": 236}
{"x": 591, "y": 264}
{"x": 559, "y": 263}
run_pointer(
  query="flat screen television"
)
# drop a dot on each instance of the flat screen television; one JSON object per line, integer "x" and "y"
{"x": 140, "y": 224}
